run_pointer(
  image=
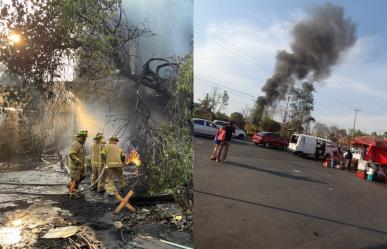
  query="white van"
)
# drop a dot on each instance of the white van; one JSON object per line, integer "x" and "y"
{"x": 310, "y": 145}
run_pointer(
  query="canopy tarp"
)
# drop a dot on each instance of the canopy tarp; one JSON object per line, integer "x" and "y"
{"x": 376, "y": 148}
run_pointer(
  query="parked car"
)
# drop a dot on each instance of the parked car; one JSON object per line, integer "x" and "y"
{"x": 310, "y": 145}
{"x": 204, "y": 127}
{"x": 269, "y": 139}
{"x": 239, "y": 133}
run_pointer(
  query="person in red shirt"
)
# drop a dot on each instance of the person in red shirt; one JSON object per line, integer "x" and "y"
{"x": 225, "y": 144}
{"x": 217, "y": 145}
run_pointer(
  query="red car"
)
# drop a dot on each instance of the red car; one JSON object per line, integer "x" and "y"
{"x": 269, "y": 139}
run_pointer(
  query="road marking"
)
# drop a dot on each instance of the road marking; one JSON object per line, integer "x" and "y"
{"x": 297, "y": 171}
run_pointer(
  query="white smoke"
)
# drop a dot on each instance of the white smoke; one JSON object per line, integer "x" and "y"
{"x": 170, "y": 20}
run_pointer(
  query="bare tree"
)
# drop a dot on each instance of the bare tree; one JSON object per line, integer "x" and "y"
{"x": 247, "y": 112}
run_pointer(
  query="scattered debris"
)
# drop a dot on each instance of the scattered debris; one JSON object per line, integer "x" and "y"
{"x": 163, "y": 221}
{"x": 118, "y": 224}
{"x": 145, "y": 211}
{"x": 150, "y": 243}
{"x": 61, "y": 232}
{"x": 10, "y": 235}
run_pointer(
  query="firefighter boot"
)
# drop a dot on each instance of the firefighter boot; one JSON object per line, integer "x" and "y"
{"x": 73, "y": 187}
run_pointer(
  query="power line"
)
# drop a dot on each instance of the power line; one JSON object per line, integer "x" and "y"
{"x": 231, "y": 89}
{"x": 230, "y": 92}
{"x": 204, "y": 93}
{"x": 225, "y": 44}
{"x": 242, "y": 51}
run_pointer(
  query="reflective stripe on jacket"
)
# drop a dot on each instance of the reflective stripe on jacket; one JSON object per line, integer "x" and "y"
{"x": 113, "y": 155}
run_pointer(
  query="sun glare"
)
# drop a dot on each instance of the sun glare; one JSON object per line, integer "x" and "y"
{"x": 14, "y": 38}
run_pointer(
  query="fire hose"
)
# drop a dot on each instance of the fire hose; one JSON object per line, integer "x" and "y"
{"x": 92, "y": 183}
{"x": 95, "y": 182}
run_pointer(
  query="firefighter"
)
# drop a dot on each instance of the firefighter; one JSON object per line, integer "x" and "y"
{"x": 97, "y": 164}
{"x": 76, "y": 163}
{"x": 115, "y": 160}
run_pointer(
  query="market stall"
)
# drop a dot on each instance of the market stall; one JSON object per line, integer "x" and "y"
{"x": 373, "y": 164}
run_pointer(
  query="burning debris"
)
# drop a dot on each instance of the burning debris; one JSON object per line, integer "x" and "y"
{"x": 133, "y": 158}
{"x": 319, "y": 42}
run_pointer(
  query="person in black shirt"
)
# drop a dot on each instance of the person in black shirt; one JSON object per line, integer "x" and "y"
{"x": 225, "y": 145}
{"x": 348, "y": 158}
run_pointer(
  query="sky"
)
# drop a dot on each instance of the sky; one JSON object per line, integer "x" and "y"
{"x": 235, "y": 44}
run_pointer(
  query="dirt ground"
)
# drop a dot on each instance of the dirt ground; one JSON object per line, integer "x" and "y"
{"x": 34, "y": 199}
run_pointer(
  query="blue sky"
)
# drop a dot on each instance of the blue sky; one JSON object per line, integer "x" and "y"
{"x": 236, "y": 43}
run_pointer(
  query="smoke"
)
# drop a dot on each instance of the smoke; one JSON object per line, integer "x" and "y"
{"x": 170, "y": 20}
{"x": 319, "y": 41}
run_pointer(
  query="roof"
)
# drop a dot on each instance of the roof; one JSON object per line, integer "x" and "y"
{"x": 319, "y": 138}
{"x": 370, "y": 141}
{"x": 201, "y": 119}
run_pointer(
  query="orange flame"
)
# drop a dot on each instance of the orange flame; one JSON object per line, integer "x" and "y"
{"x": 134, "y": 158}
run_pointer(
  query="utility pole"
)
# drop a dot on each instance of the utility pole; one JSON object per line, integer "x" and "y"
{"x": 354, "y": 121}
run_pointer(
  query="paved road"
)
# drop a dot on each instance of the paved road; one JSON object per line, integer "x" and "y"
{"x": 268, "y": 198}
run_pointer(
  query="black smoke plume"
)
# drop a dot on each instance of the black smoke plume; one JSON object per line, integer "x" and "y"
{"x": 319, "y": 41}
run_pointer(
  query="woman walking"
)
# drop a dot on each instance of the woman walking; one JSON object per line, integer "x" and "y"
{"x": 225, "y": 144}
{"x": 218, "y": 139}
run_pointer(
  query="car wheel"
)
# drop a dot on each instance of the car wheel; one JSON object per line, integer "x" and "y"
{"x": 267, "y": 145}
{"x": 240, "y": 136}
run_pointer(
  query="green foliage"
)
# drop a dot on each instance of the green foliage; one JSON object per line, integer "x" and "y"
{"x": 167, "y": 148}
{"x": 203, "y": 108}
{"x": 238, "y": 119}
{"x": 301, "y": 105}
{"x": 271, "y": 125}
{"x": 173, "y": 168}
{"x": 221, "y": 116}
{"x": 258, "y": 111}
{"x": 250, "y": 129}
{"x": 94, "y": 32}
{"x": 358, "y": 133}
{"x": 211, "y": 105}
{"x": 43, "y": 39}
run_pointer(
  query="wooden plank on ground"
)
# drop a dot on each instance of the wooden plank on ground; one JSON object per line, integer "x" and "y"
{"x": 124, "y": 202}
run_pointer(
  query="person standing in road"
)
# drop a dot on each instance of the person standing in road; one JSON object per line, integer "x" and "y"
{"x": 348, "y": 158}
{"x": 76, "y": 162}
{"x": 115, "y": 160}
{"x": 217, "y": 143}
{"x": 97, "y": 164}
{"x": 225, "y": 144}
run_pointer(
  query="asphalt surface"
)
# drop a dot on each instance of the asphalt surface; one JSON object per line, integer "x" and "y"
{"x": 269, "y": 198}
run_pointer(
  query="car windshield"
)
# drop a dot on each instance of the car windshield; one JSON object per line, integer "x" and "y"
{"x": 211, "y": 125}
{"x": 220, "y": 123}
{"x": 199, "y": 122}
{"x": 263, "y": 133}
{"x": 294, "y": 139}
